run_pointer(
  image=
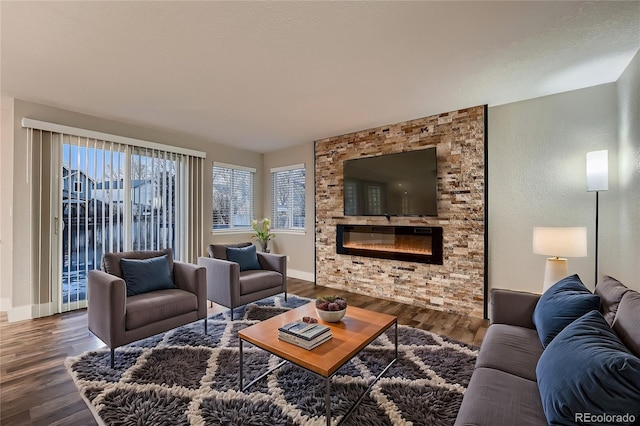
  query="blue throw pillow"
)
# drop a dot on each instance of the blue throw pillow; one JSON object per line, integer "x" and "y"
{"x": 587, "y": 371}
{"x": 145, "y": 275}
{"x": 246, "y": 257}
{"x": 560, "y": 305}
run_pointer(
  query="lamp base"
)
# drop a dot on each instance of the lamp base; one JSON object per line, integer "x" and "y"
{"x": 554, "y": 271}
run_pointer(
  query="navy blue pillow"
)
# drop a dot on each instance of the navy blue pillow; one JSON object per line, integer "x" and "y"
{"x": 145, "y": 275}
{"x": 560, "y": 305}
{"x": 587, "y": 369}
{"x": 246, "y": 257}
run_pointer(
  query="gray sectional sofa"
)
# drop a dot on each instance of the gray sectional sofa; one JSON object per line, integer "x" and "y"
{"x": 504, "y": 388}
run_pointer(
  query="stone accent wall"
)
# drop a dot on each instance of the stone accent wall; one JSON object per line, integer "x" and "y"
{"x": 458, "y": 284}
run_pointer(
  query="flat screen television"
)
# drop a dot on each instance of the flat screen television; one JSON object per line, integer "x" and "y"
{"x": 403, "y": 184}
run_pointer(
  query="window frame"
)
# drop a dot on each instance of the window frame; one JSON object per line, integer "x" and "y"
{"x": 232, "y": 226}
{"x": 290, "y": 213}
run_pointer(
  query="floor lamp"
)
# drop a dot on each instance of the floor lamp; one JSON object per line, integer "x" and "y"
{"x": 597, "y": 180}
{"x": 560, "y": 243}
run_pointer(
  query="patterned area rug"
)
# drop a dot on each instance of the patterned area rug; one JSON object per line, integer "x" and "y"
{"x": 184, "y": 377}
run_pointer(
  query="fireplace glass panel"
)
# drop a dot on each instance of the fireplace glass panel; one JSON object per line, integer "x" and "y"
{"x": 410, "y": 243}
{"x": 416, "y": 244}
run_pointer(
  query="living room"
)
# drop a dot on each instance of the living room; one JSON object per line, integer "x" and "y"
{"x": 564, "y": 84}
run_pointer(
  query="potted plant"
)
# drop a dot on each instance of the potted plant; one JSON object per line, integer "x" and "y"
{"x": 263, "y": 233}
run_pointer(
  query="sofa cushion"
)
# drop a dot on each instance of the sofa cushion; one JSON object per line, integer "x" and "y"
{"x": 145, "y": 275}
{"x": 253, "y": 281}
{"x": 511, "y": 349}
{"x": 149, "y": 308}
{"x": 245, "y": 257}
{"x": 587, "y": 369}
{"x": 111, "y": 261}
{"x": 627, "y": 321}
{"x": 219, "y": 251}
{"x": 560, "y": 305}
{"x": 496, "y": 398}
{"x": 610, "y": 291}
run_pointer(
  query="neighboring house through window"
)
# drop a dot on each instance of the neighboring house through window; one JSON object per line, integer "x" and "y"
{"x": 232, "y": 196}
{"x": 288, "y": 197}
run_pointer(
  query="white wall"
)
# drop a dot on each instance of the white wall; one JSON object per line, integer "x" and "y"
{"x": 626, "y": 265}
{"x": 537, "y": 177}
{"x": 6, "y": 194}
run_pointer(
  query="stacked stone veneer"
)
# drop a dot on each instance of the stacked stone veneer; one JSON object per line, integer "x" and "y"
{"x": 458, "y": 284}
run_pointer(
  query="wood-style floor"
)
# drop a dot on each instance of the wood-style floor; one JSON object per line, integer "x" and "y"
{"x": 35, "y": 388}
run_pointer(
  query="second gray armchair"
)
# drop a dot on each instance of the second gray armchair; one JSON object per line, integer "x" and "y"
{"x": 231, "y": 286}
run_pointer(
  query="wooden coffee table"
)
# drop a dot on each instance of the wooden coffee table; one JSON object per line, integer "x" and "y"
{"x": 358, "y": 328}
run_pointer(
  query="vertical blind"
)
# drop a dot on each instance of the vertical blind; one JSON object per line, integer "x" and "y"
{"x": 288, "y": 197}
{"x": 233, "y": 205}
{"x": 106, "y": 194}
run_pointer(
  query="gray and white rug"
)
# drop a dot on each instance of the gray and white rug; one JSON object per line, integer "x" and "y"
{"x": 184, "y": 377}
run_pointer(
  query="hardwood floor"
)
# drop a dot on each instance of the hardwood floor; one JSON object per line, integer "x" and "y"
{"x": 35, "y": 388}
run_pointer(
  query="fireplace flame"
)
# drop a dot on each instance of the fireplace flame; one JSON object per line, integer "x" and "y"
{"x": 391, "y": 248}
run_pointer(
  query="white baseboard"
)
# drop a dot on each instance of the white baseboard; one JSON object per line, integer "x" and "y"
{"x": 5, "y": 304}
{"x": 20, "y": 313}
{"x": 301, "y": 275}
{"x": 26, "y": 312}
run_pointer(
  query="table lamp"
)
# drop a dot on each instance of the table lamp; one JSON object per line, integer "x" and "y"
{"x": 559, "y": 243}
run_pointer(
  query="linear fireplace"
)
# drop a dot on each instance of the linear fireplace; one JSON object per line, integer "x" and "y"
{"x": 411, "y": 243}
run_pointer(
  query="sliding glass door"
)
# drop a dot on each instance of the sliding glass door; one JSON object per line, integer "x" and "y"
{"x": 114, "y": 198}
{"x": 93, "y": 193}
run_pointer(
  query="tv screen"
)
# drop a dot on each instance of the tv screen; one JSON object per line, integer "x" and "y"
{"x": 403, "y": 184}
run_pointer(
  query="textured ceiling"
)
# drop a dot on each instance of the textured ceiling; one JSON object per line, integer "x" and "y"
{"x": 267, "y": 75}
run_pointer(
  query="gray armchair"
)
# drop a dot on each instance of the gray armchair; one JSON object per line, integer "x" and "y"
{"x": 229, "y": 287}
{"x": 118, "y": 319}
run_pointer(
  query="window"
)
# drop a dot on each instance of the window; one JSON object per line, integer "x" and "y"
{"x": 232, "y": 196}
{"x": 374, "y": 199}
{"x": 287, "y": 194}
{"x": 77, "y": 186}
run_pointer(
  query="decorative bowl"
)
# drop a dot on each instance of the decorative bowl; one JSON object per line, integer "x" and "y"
{"x": 331, "y": 316}
{"x": 331, "y": 308}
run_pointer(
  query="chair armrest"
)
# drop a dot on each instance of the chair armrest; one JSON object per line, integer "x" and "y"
{"x": 513, "y": 307}
{"x": 107, "y": 307}
{"x": 223, "y": 280}
{"x": 192, "y": 278}
{"x": 273, "y": 262}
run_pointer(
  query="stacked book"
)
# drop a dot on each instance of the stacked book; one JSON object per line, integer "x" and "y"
{"x": 305, "y": 335}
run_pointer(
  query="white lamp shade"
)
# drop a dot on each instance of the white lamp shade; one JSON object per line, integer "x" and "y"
{"x": 598, "y": 170}
{"x": 560, "y": 242}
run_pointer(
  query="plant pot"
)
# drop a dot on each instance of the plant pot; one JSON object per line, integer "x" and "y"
{"x": 263, "y": 246}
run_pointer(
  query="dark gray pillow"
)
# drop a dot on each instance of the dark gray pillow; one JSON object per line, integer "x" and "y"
{"x": 610, "y": 291}
{"x": 627, "y": 322}
{"x": 145, "y": 275}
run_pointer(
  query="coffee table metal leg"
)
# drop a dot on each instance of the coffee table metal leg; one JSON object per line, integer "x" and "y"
{"x": 396, "y": 339}
{"x": 327, "y": 399}
{"x": 241, "y": 364}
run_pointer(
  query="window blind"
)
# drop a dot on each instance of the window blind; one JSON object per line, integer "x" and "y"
{"x": 233, "y": 204}
{"x": 96, "y": 193}
{"x": 288, "y": 197}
